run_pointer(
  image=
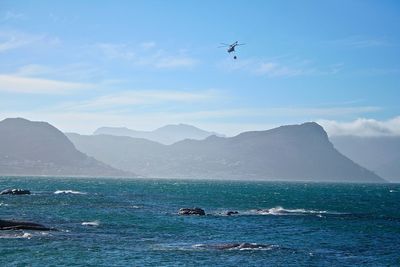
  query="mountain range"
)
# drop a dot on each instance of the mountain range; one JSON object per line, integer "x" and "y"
{"x": 38, "y": 148}
{"x": 167, "y": 135}
{"x": 293, "y": 152}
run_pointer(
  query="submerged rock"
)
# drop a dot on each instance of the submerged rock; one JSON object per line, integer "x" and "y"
{"x": 229, "y": 213}
{"x": 15, "y": 192}
{"x": 17, "y": 225}
{"x": 191, "y": 211}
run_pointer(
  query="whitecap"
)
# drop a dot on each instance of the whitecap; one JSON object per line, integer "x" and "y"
{"x": 215, "y": 246}
{"x": 27, "y": 235}
{"x": 278, "y": 210}
{"x": 69, "y": 192}
{"x": 12, "y": 236}
{"x": 93, "y": 223}
{"x": 235, "y": 246}
{"x": 283, "y": 211}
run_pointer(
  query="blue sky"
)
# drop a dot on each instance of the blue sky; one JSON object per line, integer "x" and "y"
{"x": 143, "y": 64}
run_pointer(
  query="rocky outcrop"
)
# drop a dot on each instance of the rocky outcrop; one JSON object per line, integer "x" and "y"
{"x": 15, "y": 192}
{"x": 18, "y": 225}
{"x": 191, "y": 211}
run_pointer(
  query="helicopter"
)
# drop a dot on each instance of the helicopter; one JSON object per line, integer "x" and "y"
{"x": 231, "y": 47}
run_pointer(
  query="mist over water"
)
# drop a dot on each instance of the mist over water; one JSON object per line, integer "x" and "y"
{"x": 125, "y": 222}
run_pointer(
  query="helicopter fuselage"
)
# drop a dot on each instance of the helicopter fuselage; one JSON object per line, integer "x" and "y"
{"x": 232, "y": 47}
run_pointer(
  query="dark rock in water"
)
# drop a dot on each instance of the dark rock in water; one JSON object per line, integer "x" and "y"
{"x": 16, "y": 225}
{"x": 191, "y": 211}
{"x": 229, "y": 213}
{"x": 238, "y": 246}
{"x": 15, "y": 192}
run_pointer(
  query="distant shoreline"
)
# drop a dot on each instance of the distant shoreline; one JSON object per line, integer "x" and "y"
{"x": 191, "y": 179}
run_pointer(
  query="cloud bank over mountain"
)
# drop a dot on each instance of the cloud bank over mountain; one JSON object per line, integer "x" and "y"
{"x": 363, "y": 127}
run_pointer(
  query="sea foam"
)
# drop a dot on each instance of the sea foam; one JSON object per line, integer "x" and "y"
{"x": 279, "y": 211}
{"x": 69, "y": 192}
{"x": 93, "y": 223}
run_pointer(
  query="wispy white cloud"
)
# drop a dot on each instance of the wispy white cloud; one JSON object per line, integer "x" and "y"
{"x": 168, "y": 62}
{"x": 380, "y": 71}
{"x": 116, "y": 51}
{"x": 278, "y": 68}
{"x": 86, "y": 122}
{"x": 358, "y": 41}
{"x": 280, "y": 112}
{"x": 74, "y": 71}
{"x": 148, "y": 45}
{"x": 85, "y": 117}
{"x": 363, "y": 127}
{"x": 135, "y": 98}
{"x": 20, "y": 84}
{"x": 10, "y": 40}
{"x": 274, "y": 69}
{"x": 146, "y": 54}
{"x": 12, "y": 15}
{"x": 33, "y": 70}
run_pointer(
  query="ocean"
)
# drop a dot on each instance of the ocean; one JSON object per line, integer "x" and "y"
{"x": 134, "y": 222}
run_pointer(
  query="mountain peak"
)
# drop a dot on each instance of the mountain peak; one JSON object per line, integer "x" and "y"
{"x": 178, "y": 126}
{"x": 38, "y": 148}
{"x": 21, "y": 121}
{"x": 167, "y": 134}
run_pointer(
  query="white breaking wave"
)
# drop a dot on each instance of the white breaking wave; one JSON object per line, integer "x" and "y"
{"x": 69, "y": 192}
{"x": 94, "y": 223}
{"x": 235, "y": 246}
{"x": 282, "y": 211}
{"x": 220, "y": 246}
{"x": 278, "y": 210}
{"x": 11, "y": 236}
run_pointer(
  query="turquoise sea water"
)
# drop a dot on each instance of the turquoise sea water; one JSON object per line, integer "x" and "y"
{"x": 135, "y": 223}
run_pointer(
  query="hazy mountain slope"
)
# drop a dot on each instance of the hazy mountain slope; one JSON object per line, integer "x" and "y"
{"x": 296, "y": 152}
{"x": 37, "y": 148}
{"x": 380, "y": 154}
{"x": 168, "y": 134}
